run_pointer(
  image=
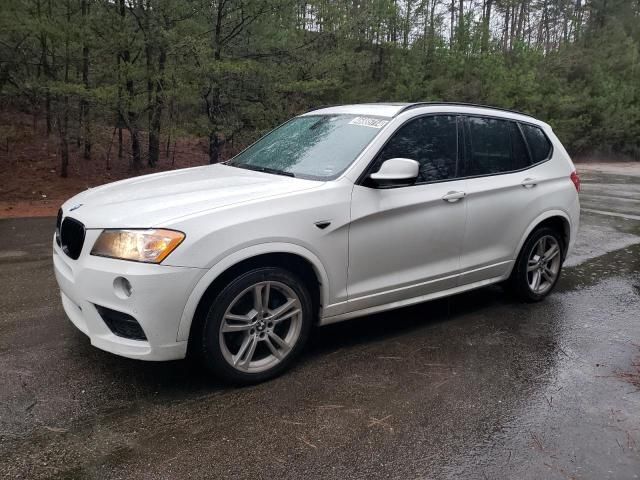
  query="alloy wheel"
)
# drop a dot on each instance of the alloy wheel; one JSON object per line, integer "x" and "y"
{"x": 260, "y": 326}
{"x": 543, "y": 264}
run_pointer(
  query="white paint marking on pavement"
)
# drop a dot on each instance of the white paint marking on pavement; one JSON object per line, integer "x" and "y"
{"x": 596, "y": 240}
{"x": 612, "y": 214}
{"x": 12, "y": 253}
{"x": 595, "y": 196}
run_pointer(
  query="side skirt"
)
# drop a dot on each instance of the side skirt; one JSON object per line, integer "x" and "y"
{"x": 411, "y": 301}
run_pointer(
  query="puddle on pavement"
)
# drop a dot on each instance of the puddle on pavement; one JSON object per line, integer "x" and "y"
{"x": 623, "y": 262}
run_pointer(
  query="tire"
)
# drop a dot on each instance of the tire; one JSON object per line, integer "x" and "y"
{"x": 530, "y": 266}
{"x": 244, "y": 341}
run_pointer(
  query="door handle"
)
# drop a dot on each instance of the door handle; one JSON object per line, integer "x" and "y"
{"x": 529, "y": 182}
{"x": 452, "y": 197}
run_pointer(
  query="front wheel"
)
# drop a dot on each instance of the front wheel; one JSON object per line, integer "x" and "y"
{"x": 257, "y": 326}
{"x": 538, "y": 266}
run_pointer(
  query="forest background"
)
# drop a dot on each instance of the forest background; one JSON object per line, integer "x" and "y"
{"x": 96, "y": 90}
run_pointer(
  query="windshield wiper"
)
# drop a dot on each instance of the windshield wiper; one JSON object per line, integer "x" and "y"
{"x": 256, "y": 168}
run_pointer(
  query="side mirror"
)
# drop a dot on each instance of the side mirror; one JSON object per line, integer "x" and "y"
{"x": 396, "y": 172}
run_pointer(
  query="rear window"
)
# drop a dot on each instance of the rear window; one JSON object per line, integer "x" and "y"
{"x": 494, "y": 146}
{"x": 539, "y": 144}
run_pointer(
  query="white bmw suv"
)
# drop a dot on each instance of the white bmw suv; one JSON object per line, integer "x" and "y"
{"x": 338, "y": 213}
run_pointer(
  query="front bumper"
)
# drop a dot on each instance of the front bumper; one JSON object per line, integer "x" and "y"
{"x": 159, "y": 295}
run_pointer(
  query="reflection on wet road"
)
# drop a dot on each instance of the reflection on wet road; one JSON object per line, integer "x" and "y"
{"x": 474, "y": 386}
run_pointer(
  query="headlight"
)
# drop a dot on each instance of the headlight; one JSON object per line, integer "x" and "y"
{"x": 150, "y": 246}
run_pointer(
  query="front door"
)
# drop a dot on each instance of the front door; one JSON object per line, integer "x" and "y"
{"x": 405, "y": 242}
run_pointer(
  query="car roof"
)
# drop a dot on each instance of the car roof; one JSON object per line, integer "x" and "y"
{"x": 377, "y": 109}
{"x": 394, "y": 109}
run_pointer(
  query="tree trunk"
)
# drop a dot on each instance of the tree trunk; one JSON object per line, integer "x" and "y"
{"x": 432, "y": 23}
{"x": 47, "y": 72}
{"x": 119, "y": 119}
{"x": 514, "y": 23}
{"x": 47, "y": 113}
{"x": 131, "y": 120}
{"x": 521, "y": 16}
{"x": 63, "y": 123}
{"x": 120, "y": 152}
{"x": 214, "y": 147}
{"x": 407, "y": 25}
{"x": 154, "y": 130}
{"x": 541, "y": 25}
{"x": 505, "y": 33}
{"x": 453, "y": 22}
{"x": 170, "y": 127}
{"x": 44, "y": 61}
{"x": 217, "y": 33}
{"x": 136, "y": 157}
{"x": 461, "y": 43}
{"x": 152, "y": 158}
{"x": 578, "y": 19}
{"x": 108, "y": 166}
{"x": 486, "y": 22}
{"x": 84, "y": 104}
{"x": 425, "y": 24}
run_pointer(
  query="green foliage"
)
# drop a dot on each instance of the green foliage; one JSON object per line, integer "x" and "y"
{"x": 230, "y": 70}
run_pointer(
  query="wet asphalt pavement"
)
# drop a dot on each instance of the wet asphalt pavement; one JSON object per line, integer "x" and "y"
{"x": 475, "y": 386}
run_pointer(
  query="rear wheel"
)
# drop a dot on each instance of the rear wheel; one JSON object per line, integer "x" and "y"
{"x": 538, "y": 266}
{"x": 257, "y": 326}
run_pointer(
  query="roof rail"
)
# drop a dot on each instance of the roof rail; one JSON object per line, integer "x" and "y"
{"x": 460, "y": 104}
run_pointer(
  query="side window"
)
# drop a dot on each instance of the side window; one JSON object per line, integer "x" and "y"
{"x": 432, "y": 141}
{"x": 494, "y": 146}
{"x": 538, "y": 142}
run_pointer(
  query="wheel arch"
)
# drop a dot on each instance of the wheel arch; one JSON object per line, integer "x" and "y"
{"x": 557, "y": 219}
{"x": 293, "y": 257}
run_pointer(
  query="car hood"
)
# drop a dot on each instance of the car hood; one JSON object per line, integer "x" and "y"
{"x": 155, "y": 200}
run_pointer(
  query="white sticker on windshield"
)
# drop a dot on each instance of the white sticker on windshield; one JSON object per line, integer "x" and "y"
{"x": 369, "y": 122}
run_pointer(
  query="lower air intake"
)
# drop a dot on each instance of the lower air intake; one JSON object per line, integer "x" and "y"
{"x": 121, "y": 324}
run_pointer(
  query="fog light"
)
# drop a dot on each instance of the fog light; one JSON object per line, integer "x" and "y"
{"x": 122, "y": 287}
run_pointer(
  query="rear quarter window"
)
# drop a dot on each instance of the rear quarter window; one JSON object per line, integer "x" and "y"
{"x": 539, "y": 144}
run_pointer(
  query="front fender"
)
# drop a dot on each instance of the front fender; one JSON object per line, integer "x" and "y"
{"x": 237, "y": 257}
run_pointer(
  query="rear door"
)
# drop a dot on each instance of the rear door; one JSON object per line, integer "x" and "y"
{"x": 503, "y": 195}
{"x": 405, "y": 242}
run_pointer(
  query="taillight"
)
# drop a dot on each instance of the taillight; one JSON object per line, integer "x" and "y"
{"x": 575, "y": 178}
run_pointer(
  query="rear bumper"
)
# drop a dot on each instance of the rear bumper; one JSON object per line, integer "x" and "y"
{"x": 157, "y": 302}
{"x": 574, "y": 215}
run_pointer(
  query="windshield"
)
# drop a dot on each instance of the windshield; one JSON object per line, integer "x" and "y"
{"x": 317, "y": 147}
